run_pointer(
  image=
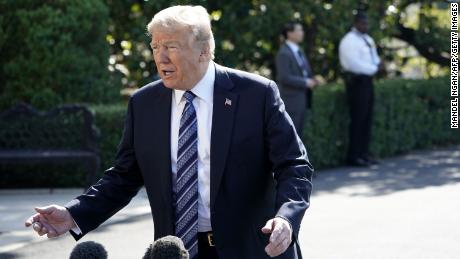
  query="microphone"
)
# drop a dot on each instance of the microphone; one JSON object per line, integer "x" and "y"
{"x": 168, "y": 247}
{"x": 88, "y": 250}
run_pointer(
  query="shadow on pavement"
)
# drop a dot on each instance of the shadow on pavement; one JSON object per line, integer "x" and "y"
{"x": 8, "y": 256}
{"x": 416, "y": 170}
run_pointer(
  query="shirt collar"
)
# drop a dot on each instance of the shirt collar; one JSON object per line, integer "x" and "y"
{"x": 294, "y": 46}
{"x": 358, "y": 32}
{"x": 204, "y": 89}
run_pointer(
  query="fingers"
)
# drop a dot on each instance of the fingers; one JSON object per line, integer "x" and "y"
{"x": 280, "y": 238}
{"x": 34, "y": 218}
{"x": 45, "y": 210}
{"x": 276, "y": 240}
{"x": 28, "y": 222}
{"x": 37, "y": 226}
{"x": 48, "y": 232}
{"x": 31, "y": 220}
{"x": 40, "y": 224}
{"x": 52, "y": 233}
{"x": 267, "y": 229}
{"x": 273, "y": 250}
{"x": 42, "y": 231}
{"x": 43, "y": 228}
{"x": 277, "y": 235}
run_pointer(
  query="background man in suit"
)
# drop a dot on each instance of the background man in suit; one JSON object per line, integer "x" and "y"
{"x": 221, "y": 162}
{"x": 294, "y": 75}
{"x": 359, "y": 58}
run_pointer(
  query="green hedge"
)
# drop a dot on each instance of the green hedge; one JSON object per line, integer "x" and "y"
{"x": 409, "y": 114}
{"x": 54, "y": 52}
{"x": 110, "y": 121}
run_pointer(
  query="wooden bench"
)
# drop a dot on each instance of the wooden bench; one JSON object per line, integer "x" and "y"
{"x": 64, "y": 134}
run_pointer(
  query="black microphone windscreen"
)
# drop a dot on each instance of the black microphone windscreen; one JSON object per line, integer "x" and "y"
{"x": 168, "y": 247}
{"x": 88, "y": 250}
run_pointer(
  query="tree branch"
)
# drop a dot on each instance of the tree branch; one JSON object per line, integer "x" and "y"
{"x": 428, "y": 52}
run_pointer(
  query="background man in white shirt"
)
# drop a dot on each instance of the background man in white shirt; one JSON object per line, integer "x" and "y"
{"x": 360, "y": 61}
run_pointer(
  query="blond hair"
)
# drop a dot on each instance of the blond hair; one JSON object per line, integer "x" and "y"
{"x": 196, "y": 18}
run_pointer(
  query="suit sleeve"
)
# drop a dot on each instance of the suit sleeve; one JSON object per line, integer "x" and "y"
{"x": 114, "y": 190}
{"x": 286, "y": 76}
{"x": 289, "y": 160}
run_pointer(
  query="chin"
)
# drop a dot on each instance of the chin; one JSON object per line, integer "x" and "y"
{"x": 168, "y": 84}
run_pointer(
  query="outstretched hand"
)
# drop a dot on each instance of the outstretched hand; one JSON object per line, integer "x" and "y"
{"x": 280, "y": 238}
{"x": 52, "y": 220}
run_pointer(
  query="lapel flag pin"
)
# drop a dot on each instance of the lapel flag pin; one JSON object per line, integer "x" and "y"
{"x": 228, "y": 102}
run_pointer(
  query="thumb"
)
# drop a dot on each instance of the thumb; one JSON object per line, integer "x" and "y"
{"x": 45, "y": 210}
{"x": 268, "y": 227}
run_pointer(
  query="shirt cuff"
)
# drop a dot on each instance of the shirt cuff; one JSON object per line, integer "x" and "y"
{"x": 76, "y": 229}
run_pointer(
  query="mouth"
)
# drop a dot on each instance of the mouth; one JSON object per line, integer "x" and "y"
{"x": 167, "y": 73}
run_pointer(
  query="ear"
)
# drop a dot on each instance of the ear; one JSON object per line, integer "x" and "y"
{"x": 205, "y": 54}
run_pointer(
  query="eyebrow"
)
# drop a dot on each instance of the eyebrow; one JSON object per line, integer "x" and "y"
{"x": 167, "y": 42}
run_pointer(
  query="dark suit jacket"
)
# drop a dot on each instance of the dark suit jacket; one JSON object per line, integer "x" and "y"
{"x": 291, "y": 80}
{"x": 259, "y": 166}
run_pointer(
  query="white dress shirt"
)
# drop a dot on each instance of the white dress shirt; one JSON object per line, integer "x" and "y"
{"x": 203, "y": 103}
{"x": 356, "y": 56}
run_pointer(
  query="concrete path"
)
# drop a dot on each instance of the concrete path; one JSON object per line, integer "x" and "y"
{"x": 407, "y": 207}
{"x": 17, "y": 205}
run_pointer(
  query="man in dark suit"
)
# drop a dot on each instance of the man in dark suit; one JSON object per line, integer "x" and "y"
{"x": 294, "y": 75}
{"x": 221, "y": 162}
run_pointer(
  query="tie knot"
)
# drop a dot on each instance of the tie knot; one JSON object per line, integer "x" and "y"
{"x": 189, "y": 96}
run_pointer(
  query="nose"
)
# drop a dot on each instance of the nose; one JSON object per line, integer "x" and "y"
{"x": 163, "y": 56}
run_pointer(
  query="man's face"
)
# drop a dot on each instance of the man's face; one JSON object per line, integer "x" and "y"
{"x": 177, "y": 58}
{"x": 297, "y": 34}
{"x": 362, "y": 25}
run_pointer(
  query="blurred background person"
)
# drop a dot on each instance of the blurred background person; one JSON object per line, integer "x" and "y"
{"x": 360, "y": 61}
{"x": 294, "y": 75}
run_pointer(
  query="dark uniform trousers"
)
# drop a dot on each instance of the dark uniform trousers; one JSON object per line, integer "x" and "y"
{"x": 360, "y": 95}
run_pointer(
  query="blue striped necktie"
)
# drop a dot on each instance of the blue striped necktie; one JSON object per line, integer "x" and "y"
{"x": 187, "y": 178}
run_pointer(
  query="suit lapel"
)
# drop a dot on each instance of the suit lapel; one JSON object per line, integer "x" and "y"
{"x": 163, "y": 118}
{"x": 294, "y": 58}
{"x": 224, "y": 107}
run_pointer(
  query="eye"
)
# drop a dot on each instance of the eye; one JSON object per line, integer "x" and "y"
{"x": 172, "y": 47}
